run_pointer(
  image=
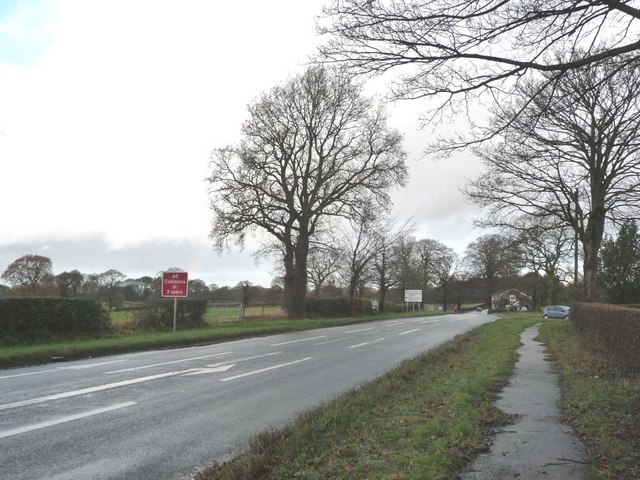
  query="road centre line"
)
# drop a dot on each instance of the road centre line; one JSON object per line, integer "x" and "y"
{"x": 133, "y": 369}
{"x": 298, "y": 341}
{"x": 409, "y": 331}
{"x": 366, "y": 343}
{"x": 262, "y": 370}
{"x": 70, "y": 418}
{"x": 431, "y": 321}
{"x": 334, "y": 341}
{"x": 360, "y": 330}
{"x": 84, "y": 391}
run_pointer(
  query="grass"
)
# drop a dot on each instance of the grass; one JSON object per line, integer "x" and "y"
{"x": 232, "y": 314}
{"x": 128, "y": 340}
{"x": 426, "y": 419}
{"x": 122, "y": 320}
{"x": 601, "y": 402}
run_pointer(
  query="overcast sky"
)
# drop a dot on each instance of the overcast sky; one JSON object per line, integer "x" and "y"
{"x": 109, "y": 111}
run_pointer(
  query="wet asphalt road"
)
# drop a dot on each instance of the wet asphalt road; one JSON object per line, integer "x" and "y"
{"x": 166, "y": 414}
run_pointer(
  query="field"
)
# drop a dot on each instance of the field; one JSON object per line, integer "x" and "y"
{"x": 123, "y": 320}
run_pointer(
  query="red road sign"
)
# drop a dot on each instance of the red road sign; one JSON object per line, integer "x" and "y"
{"x": 175, "y": 284}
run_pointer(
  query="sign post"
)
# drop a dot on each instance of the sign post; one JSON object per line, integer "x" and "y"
{"x": 176, "y": 285}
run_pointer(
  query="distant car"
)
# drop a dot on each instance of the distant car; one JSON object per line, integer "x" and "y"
{"x": 556, "y": 311}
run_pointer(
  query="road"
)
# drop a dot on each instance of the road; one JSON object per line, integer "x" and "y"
{"x": 166, "y": 414}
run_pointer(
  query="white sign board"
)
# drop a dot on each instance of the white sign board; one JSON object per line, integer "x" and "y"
{"x": 413, "y": 296}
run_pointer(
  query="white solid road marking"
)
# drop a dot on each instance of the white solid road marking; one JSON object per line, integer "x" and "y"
{"x": 133, "y": 369}
{"x": 262, "y": 370}
{"x": 298, "y": 341}
{"x": 70, "y": 418}
{"x": 244, "y": 359}
{"x": 366, "y": 343}
{"x": 200, "y": 371}
{"x": 133, "y": 381}
{"x": 431, "y": 321}
{"x": 60, "y": 369}
{"x": 409, "y": 331}
{"x": 31, "y": 373}
{"x": 84, "y": 391}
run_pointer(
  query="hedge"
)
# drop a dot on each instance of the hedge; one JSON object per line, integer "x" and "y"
{"x": 158, "y": 315}
{"x": 327, "y": 307}
{"x": 613, "y": 329}
{"x": 31, "y": 320}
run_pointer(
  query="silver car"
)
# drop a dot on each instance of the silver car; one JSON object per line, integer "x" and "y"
{"x": 556, "y": 311}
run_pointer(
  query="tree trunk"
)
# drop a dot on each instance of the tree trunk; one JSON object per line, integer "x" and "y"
{"x": 534, "y": 295}
{"x": 591, "y": 246}
{"x": 549, "y": 297}
{"x": 382, "y": 295}
{"x": 590, "y": 270}
{"x": 299, "y": 292}
{"x": 352, "y": 295}
{"x": 289, "y": 277}
{"x": 491, "y": 287}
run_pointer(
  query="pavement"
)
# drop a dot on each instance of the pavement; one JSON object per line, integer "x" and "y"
{"x": 538, "y": 445}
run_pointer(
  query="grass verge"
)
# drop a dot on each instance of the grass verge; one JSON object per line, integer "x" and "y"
{"x": 19, "y": 355}
{"x": 601, "y": 402}
{"x": 425, "y": 419}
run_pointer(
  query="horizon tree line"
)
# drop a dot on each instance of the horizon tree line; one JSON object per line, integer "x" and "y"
{"x": 377, "y": 262}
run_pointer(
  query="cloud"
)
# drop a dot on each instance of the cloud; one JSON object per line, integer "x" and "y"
{"x": 107, "y": 126}
{"x": 432, "y": 197}
{"x": 110, "y": 132}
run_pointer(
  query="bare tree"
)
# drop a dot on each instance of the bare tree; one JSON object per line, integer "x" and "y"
{"x": 387, "y": 235}
{"x": 455, "y": 50}
{"x": 437, "y": 266}
{"x": 69, "y": 283}
{"x": 312, "y": 149}
{"x": 406, "y": 265}
{"x": 28, "y": 272}
{"x": 544, "y": 247}
{"x": 490, "y": 257}
{"x": 445, "y": 273}
{"x": 356, "y": 252}
{"x": 383, "y": 274}
{"x": 108, "y": 283}
{"x": 322, "y": 262}
{"x": 571, "y": 153}
{"x": 198, "y": 290}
